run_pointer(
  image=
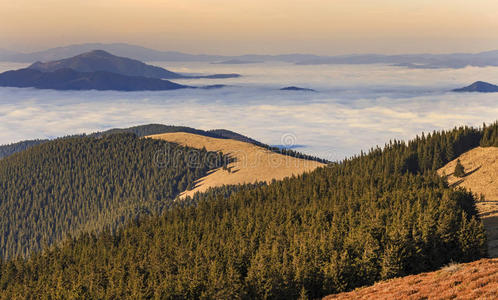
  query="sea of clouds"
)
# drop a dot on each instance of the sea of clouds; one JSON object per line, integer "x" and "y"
{"x": 355, "y": 107}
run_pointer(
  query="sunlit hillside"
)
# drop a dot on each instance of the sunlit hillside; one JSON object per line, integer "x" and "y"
{"x": 251, "y": 163}
{"x": 481, "y": 177}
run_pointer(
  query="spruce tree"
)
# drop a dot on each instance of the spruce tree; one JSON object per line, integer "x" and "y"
{"x": 459, "y": 169}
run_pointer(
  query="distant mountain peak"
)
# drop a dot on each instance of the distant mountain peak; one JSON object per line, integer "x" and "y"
{"x": 296, "y": 88}
{"x": 100, "y": 60}
{"x": 480, "y": 87}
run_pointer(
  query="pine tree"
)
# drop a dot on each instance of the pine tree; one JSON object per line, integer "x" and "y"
{"x": 459, "y": 169}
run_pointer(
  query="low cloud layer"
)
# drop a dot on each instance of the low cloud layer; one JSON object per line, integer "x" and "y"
{"x": 356, "y": 108}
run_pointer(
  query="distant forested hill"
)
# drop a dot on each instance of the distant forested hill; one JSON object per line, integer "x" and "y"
{"x": 73, "y": 184}
{"x": 375, "y": 216}
{"x": 6, "y": 150}
{"x": 151, "y": 129}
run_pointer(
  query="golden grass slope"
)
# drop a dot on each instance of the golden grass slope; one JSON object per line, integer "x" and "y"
{"x": 476, "y": 280}
{"x": 252, "y": 163}
{"x": 481, "y": 168}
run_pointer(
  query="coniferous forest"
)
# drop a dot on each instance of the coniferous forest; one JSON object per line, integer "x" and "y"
{"x": 84, "y": 184}
{"x": 374, "y": 216}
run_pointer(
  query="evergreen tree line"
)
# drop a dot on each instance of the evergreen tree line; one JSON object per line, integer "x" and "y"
{"x": 151, "y": 129}
{"x": 7, "y": 150}
{"x": 490, "y": 135}
{"x": 76, "y": 184}
{"x": 432, "y": 151}
{"x": 379, "y": 215}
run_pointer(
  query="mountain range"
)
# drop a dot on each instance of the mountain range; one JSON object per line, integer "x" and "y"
{"x": 413, "y": 61}
{"x": 452, "y": 60}
{"x": 140, "y": 53}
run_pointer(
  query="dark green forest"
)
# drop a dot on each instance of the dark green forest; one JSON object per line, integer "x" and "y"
{"x": 72, "y": 184}
{"x": 378, "y": 215}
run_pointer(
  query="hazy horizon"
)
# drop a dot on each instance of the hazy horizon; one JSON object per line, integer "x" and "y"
{"x": 28, "y": 51}
{"x": 257, "y": 27}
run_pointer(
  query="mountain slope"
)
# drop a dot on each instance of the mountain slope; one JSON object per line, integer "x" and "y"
{"x": 71, "y": 185}
{"x": 476, "y": 280}
{"x": 481, "y": 166}
{"x": 69, "y": 79}
{"x": 251, "y": 163}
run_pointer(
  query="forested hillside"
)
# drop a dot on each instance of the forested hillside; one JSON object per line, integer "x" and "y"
{"x": 72, "y": 184}
{"x": 371, "y": 217}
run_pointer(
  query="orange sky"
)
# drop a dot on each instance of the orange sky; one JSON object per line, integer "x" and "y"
{"x": 255, "y": 26}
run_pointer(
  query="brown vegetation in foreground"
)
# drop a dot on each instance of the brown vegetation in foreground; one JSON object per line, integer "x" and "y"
{"x": 476, "y": 280}
{"x": 481, "y": 177}
{"x": 252, "y": 163}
